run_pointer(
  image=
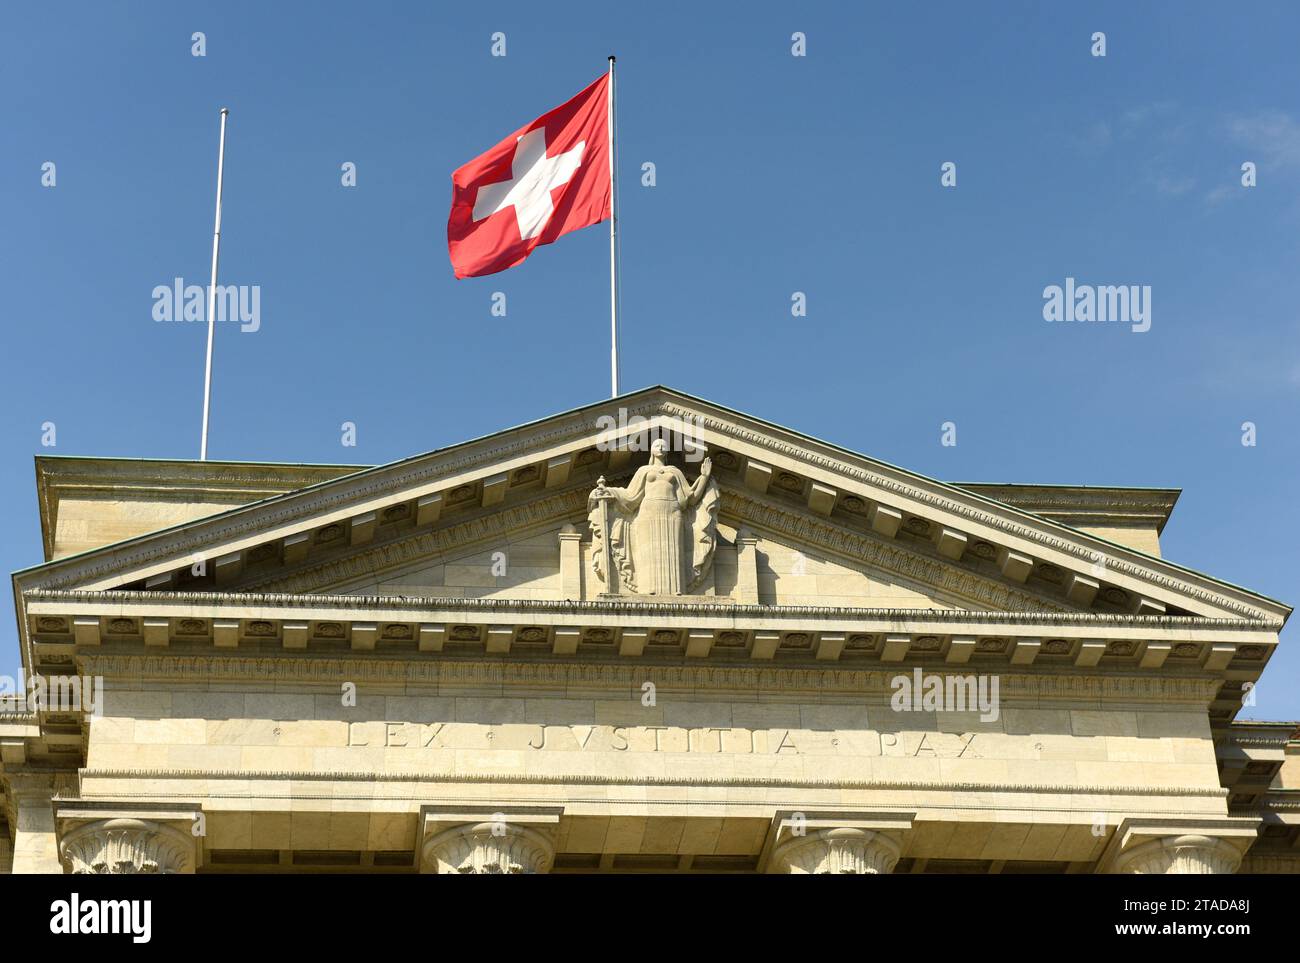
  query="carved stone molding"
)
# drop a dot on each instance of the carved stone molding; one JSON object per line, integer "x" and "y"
{"x": 127, "y": 847}
{"x": 827, "y": 682}
{"x": 1180, "y": 854}
{"x": 838, "y": 851}
{"x": 497, "y": 847}
{"x": 1073, "y": 504}
{"x": 565, "y": 780}
{"x": 163, "y": 603}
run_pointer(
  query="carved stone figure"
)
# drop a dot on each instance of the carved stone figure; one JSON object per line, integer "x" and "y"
{"x": 658, "y": 533}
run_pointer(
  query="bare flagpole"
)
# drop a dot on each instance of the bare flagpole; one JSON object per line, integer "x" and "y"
{"x": 212, "y": 290}
{"x": 613, "y": 242}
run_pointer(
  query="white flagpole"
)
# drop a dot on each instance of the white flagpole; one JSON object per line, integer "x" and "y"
{"x": 212, "y": 289}
{"x": 613, "y": 241}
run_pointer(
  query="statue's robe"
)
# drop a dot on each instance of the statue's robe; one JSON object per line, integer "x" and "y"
{"x": 657, "y": 516}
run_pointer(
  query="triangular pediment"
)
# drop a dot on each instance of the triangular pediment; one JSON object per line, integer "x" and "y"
{"x": 796, "y": 560}
{"x": 495, "y": 517}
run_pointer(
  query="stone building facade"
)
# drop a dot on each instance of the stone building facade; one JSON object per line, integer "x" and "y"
{"x": 563, "y": 648}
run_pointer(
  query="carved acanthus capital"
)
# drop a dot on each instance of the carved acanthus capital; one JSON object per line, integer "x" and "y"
{"x": 496, "y": 847}
{"x": 844, "y": 851}
{"x": 1180, "y": 854}
{"x": 127, "y": 846}
{"x": 1197, "y": 844}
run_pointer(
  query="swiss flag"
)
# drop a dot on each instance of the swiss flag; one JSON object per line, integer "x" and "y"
{"x": 547, "y": 178}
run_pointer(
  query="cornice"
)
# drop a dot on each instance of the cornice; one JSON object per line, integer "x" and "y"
{"x": 166, "y": 473}
{"x": 633, "y": 610}
{"x": 1278, "y": 800}
{"x": 1260, "y": 741}
{"x": 168, "y": 479}
{"x": 1098, "y": 505}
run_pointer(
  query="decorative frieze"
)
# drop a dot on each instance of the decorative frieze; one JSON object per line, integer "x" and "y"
{"x": 448, "y": 778}
{"x": 825, "y": 681}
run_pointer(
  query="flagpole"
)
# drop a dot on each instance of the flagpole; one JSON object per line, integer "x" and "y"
{"x": 212, "y": 289}
{"x": 613, "y": 241}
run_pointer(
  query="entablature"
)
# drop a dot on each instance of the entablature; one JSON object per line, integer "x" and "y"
{"x": 66, "y": 623}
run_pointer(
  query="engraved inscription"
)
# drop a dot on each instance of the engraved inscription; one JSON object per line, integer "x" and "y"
{"x": 659, "y": 738}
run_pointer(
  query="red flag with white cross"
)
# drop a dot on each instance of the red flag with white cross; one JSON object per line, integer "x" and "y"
{"x": 549, "y": 177}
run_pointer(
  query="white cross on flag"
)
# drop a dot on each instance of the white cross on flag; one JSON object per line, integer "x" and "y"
{"x": 547, "y": 178}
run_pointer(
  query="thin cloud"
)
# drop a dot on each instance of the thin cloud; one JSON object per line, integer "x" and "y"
{"x": 1174, "y": 186}
{"x": 1143, "y": 115}
{"x": 1273, "y": 134}
{"x": 1221, "y": 193}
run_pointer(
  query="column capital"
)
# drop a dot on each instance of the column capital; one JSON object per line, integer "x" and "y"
{"x": 838, "y": 851}
{"x": 1190, "y": 853}
{"x": 489, "y": 848}
{"x": 1196, "y": 845}
{"x": 121, "y": 839}
{"x": 837, "y": 842}
{"x": 127, "y": 846}
{"x": 479, "y": 840}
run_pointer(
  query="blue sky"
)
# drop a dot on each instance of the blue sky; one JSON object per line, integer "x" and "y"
{"x": 775, "y": 174}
